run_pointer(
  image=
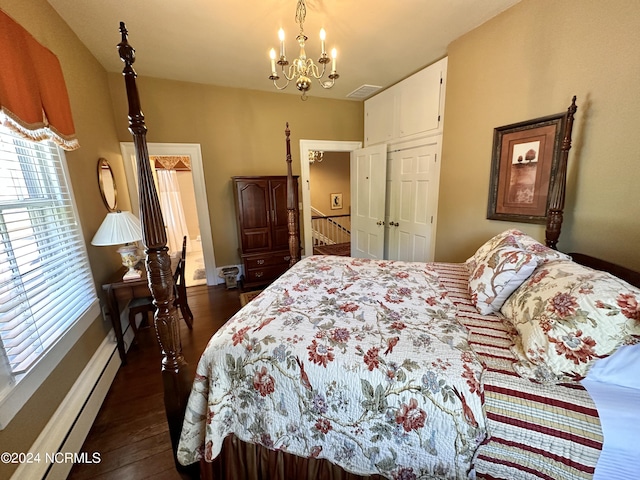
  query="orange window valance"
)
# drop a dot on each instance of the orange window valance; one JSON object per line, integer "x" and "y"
{"x": 33, "y": 95}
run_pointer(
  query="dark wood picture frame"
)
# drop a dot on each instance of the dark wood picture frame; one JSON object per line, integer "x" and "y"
{"x": 524, "y": 165}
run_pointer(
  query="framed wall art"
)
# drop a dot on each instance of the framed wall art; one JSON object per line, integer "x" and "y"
{"x": 336, "y": 201}
{"x": 524, "y": 165}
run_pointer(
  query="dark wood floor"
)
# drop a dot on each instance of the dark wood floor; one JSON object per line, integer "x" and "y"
{"x": 130, "y": 431}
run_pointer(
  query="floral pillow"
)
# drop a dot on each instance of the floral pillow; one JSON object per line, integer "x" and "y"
{"x": 528, "y": 243}
{"x": 499, "y": 273}
{"x": 544, "y": 253}
{"x": 568, "y": 316}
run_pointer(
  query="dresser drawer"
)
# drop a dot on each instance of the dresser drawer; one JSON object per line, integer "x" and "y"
{"x": 266, "y": 260}
{"x": 265, "y": 274}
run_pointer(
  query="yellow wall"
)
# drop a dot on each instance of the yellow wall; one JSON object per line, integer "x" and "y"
{"x": 241, "y": 132}
{"x": 526, "y": 63}
{"x": 93, "y": 117}
{"x": 523, "y": 64}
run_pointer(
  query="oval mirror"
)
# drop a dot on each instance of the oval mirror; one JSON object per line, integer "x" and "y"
{"x": 107, "y": 183}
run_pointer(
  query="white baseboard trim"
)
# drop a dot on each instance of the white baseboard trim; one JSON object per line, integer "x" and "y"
{"x": 58, "y": 446}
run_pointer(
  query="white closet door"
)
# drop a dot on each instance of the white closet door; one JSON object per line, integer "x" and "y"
{"x": 368, "y": 175}
{"x": 412, "y": 186}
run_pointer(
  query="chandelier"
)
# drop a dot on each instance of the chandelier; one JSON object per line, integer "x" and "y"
{"x": 302, "y": 69}
{"x": 316, "y": 156}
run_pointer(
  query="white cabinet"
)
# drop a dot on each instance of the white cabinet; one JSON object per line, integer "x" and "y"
{"x": 407, "y": 119}
{"x": 379, "y": 118}
{"x": 408, "y": 110}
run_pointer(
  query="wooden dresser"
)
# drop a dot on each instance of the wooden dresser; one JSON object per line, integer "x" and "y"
{"x": 261, "y": 212}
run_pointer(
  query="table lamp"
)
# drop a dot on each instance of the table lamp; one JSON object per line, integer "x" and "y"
{"x": 121, "y": 228}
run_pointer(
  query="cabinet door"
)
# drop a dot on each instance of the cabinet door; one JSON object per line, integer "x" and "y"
{"x": 278, "y": 197}
{"x": 253, "y": 214}
{"x": 419, "y": 101}
{"x": 379, "y": 113}
{"x": 413, "y": 179}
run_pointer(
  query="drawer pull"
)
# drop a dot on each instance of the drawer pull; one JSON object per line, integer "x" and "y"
{"x": 287, "y": 258}
{"x": 260, "y": 262}
{"x": 259, "y": 274}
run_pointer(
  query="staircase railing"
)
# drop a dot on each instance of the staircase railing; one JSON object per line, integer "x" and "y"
{"x": 330, "y": 229}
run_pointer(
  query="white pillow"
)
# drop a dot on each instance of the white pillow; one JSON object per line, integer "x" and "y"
{"x": 621, "y": 368}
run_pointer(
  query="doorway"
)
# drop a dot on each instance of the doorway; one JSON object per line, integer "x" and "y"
{"x": 200, "y": 256}
{"x": 330, "y": 192}
{"x": 307, "y": 146}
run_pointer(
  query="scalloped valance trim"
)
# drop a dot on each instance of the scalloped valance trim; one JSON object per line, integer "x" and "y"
{"x": 37, "y": 132}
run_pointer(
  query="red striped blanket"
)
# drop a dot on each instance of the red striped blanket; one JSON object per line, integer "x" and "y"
{"x": 533, "y": 431}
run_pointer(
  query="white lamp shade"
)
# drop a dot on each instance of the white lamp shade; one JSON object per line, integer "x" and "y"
{"x": 118, "y": 228}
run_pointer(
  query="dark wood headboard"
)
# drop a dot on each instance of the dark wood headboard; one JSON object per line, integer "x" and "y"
{"x": 176, "y": 379}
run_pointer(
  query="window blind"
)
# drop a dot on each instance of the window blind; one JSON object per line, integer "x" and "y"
{"x": 45, "y": 279}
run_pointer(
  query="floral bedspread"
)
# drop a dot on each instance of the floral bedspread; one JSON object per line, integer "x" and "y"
{"x": 361, "y": 362}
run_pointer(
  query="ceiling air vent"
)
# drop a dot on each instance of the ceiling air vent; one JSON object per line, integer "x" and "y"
{"x": 364, "y": 91}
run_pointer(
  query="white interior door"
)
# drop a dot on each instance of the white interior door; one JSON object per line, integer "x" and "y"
{"x": 368, "y": 184}
{"x": 413, "y": 178}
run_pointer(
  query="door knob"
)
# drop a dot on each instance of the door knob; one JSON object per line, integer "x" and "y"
{"x": 379, "y": 222}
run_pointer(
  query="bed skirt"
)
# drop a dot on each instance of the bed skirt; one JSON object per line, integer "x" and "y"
{"x": 242, "y": 461}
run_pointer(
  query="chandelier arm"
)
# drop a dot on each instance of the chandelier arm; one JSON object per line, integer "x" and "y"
{"x": 329, "y": 83}
{"x": 275, "y": 83}
{"x": 312, "y": 69}
{"x": 292, "y": 72}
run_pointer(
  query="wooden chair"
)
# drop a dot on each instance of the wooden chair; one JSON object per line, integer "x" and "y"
{"x": 145, "y": 305}
{"x": 179, "y": 281}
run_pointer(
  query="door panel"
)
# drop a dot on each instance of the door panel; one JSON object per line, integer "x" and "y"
{"x": 368, "y": 179}
{"x": 279, "y": 213}
{"x": 253, "y": 201}
{"x": 413, "y": 179}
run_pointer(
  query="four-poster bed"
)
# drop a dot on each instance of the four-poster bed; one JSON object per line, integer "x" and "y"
{"x": 390, "y": 369}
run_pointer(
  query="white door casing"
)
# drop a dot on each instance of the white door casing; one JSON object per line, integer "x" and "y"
{"x": 412, "y": 188}
{"x": 368, "y": 184}
{"x": 193, "y": 151}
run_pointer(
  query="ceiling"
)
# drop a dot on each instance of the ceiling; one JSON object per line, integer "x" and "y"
{"x": 379, "y": 42}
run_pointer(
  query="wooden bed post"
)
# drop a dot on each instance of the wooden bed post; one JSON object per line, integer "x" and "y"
{"x": 559, "y": 186}
{"x": 175, "y": 377}
{"x": 294, "y": 241}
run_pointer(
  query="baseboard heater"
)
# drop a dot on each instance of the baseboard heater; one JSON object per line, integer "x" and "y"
{"x": 59, "y": 444}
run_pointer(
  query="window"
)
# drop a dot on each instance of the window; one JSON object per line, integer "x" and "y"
{"x": 46, "y": 285}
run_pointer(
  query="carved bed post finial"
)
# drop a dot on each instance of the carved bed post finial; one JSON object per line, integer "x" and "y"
{"x": 294, "y": 241}
{"x": 558, "y": 188}
{"x": 177, "y": 383}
